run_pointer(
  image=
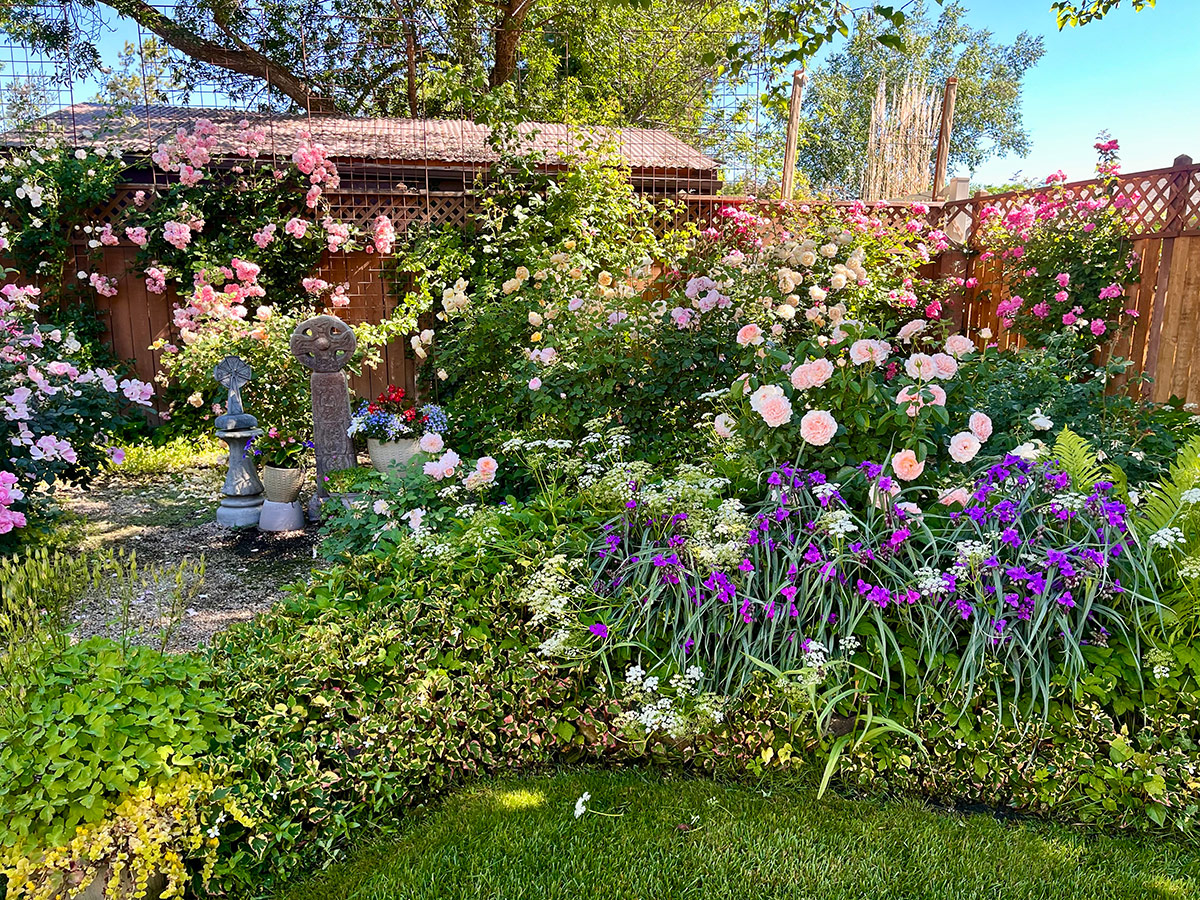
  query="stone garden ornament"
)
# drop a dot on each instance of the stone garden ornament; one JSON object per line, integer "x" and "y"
{"x": 325, "y": 345}
{"x": 242, "y": 493}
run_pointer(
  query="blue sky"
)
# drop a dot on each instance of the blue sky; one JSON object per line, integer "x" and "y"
{"x": 1135, "y": 74}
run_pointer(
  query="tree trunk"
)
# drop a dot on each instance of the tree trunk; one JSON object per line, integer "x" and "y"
{"x": 244, "y": 61}
{"x": 410, "y": 40}
{"x": 509, "y": 27}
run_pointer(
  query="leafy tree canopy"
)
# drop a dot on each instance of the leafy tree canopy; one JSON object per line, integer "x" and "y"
{"x": 987, "y": 114}
{"x": 1073, "y": 13}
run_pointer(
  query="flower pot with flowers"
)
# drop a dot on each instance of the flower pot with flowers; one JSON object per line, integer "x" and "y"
{"x": 282, "y": 458}
{"x": 393, "y": 426}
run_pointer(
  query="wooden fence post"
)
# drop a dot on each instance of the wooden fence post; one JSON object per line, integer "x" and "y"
{"x": 943, "y": 145}
{"x": 1174, "y": 223}
{"x": 787, "y": 183}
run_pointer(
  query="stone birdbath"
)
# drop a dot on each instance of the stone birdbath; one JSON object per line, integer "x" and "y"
{"x": 242, "y": 493}
{"x": 324, "y": 345}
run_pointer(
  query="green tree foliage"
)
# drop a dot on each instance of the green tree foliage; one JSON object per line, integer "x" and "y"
{"x": 1069, "y": 13}
{"x": 987, "y": 115}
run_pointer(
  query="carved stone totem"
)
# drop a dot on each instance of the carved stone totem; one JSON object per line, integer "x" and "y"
{"x": 242, "y": 494}
{"x": 325, "y": 344}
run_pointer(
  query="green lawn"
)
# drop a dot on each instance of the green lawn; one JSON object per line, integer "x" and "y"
{"x": 681, "y": 838}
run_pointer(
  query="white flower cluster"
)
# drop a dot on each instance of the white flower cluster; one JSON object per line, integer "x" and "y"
{"x": 972, "y": 553}
{"x": 928, "y": 581}
{"x": 1191, "y": 495}
{"x": 1190, "y": 568}
{"x": 837, "y": 523}
{"x": 550, "y": 590}
{"x": 815, "y": 655}
{"x": 1167, "y": 537}
{"x": 719, "y": 537}
{"x": 1071, "y": 500}
{"x": 689, "y": 712}
{"x": 556, "y": 645}
{"x": 826, "y": 490}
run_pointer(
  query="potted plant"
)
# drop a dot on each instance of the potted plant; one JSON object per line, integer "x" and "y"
{"x": 282, "y": 456}
{"x": 393, "y": 426}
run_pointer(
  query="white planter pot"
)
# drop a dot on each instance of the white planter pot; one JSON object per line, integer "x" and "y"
{"x": 384, "y": 453}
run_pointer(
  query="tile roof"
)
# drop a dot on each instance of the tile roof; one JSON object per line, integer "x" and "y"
{"x": 458, "y": 141}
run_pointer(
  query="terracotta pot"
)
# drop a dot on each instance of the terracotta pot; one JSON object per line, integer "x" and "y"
{"x": 282, "y": 485}
{"x": 385, "y": 453}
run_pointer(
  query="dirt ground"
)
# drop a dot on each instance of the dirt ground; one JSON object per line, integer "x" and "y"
{"x": 167, "y": 522}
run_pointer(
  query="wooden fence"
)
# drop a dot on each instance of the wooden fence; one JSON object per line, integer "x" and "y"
{"x": 1165, "y": 342}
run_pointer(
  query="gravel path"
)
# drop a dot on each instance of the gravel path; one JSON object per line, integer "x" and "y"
{"x": 167, "y": 522}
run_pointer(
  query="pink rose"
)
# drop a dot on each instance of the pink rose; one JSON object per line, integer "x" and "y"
{"x": 958, "y": 495}
{"x": 939, "y": 394}
{"x": 906, "y": 465}
{"x": 535, "y": 383}
{"x": 812, "y": 374}
{"x": 1063, "y": 279}
{"x": 1098, "y": 327}
{"x": 921, "y": 367}
{"x": 861, "y": 352}
{"x": 981, "y": 426}
{"x": 911, "y": 330}
{"x": 959, "y": 345}
{"x": 963, "y": 447}
{"x": 749, "y": 334}
{"x": 818, "y": 427}
{"x": 487, "y": 466}
{"x": 770, "y": 403}
{"x": 946, "y": 365}
{"x": 432, "y": 443}
{"x": 723, "y": 425}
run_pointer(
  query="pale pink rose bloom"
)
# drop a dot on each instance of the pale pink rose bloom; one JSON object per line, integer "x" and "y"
{"x": 486, "y": 466}
{"x": 963, "y": 447}
{"x": 912, "y": 511}
{"x": 981, "y": 426}
{"x": 921, "y": 367}
{"x": 770, "y": 403}
{"x": 535, "y": 383}
{"x": 433, "y": 469}
{"x": 723, "y": 425}
{"x": 959, "y": 495}
{"x": 906, "y": 465}
{"x": 939, "y": 395}
{"x": 749, "y": 334}
{"x": 880, "y": 351}
{"x": 959, "y": 345}
{"x": 819, "y": 370}
{"x": 432, "y": 443}
{"x": 911, "y": 330}
{"x": 862, "y": 352}
{"x": 818, "y": 427}
{"x": 946, "y": 365}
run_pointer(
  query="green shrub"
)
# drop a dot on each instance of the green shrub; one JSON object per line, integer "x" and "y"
{"x": 94, "y": 722}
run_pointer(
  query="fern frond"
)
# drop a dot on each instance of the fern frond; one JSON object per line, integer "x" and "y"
{"x": 1161, "y": 501}
{"x": 1078, "y": 459}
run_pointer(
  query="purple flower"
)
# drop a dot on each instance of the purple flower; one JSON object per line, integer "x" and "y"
{"x": 599, "y": 629}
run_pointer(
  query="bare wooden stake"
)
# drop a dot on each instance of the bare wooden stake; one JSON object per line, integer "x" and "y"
{"x": 799, "y": 80}
{"x": 943, "y": 145}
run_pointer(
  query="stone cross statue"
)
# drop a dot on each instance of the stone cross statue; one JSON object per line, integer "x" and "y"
{"x": 325, "y": 344}
{"x": 242, "y": 493}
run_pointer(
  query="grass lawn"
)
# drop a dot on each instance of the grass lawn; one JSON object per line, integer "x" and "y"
{"x": 666, "y": 838}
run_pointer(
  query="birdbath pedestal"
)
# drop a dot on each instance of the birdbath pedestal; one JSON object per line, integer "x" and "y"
{"x": 242, "y": 493}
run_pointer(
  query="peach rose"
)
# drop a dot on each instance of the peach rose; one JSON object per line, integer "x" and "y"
{"x": 958, "y": 495}
{"x": 749, "y": 334}
{"x": 947, "y": 365}
{"x": 959, "y": 345}
{"x": 811, "y": 374}
{"x": 770, "y": 403}
{"x": 963, "y": 447}
{"x": 723, "y": 425}
{"x": 486, "y": 466}
{"x": 818, "y": 427}
{"x": 981, "y": 426}
{"x": 432, "y": 443}
{"x": 906, "y": 465}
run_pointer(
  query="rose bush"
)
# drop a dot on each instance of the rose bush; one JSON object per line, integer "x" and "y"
{"x": 58, "y": 414}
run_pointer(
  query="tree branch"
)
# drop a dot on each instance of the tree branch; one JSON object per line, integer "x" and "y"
{"x": 244, "y": 61}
